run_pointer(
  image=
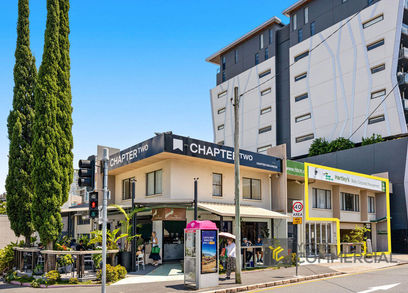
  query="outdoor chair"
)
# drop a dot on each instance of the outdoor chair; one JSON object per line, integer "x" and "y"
{"x": 140, "y": 261}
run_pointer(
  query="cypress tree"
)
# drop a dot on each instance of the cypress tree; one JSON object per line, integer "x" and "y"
{"x": 47, "y": 175}
{"x": 18, "y": 183}
{"x": 64, "y": 102}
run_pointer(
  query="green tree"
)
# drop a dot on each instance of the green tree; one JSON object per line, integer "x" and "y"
{"x": 47, "y": 175}
{"x": 126, "y": 223}
{"x": 64, "y": 113}
{"x": 319, "y": 146}
{"x": 20, "y": 120}
{"x": 371, "y": 140}
{"x": 340, "y": 144}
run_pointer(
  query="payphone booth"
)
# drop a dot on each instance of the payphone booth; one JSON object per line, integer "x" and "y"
{"x": 201, "y": 255}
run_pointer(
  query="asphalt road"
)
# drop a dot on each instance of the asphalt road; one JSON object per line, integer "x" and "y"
{"x": 389, "y": 280}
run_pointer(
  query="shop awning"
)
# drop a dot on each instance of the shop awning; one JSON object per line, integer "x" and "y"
{"x": 228, "y": 210}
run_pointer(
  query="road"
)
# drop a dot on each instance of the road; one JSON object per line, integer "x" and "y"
{"x": 389, "y": 280}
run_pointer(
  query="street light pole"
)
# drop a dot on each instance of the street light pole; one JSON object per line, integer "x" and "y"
{"x": 105, "y": 215}
{"x": 133, "y": 247}
{"x": 195, "y": 199}
{"x": 237, "y": 190}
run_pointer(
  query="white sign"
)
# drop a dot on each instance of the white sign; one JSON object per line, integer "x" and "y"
{"x": 347, "y": 179}
{"x": 297, "y": 209}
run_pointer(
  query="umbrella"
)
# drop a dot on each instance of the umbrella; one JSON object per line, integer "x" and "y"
{"x": 226, "y": 235}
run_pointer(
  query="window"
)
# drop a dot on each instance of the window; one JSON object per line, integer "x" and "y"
{"x": 313, "y": 28}
{"x": 266, "y": 110}
{"x": 220, "y": 127}
{"x": 377, "y": 68}
{"x": 265, "y": 92}
{"x": 350, "y": 202}
{"x": 294, "y": 22}
{"x": 223, "y": 76}
{"x": 301, "y": 76}
{"x": 222, "y": 110}
{"x": 217, "y": 184}
{"x": 304, "y": 138}
{"x": 222, "y": 95}
{"x": 321, "y": 199}
{"x": 306, "y": 15}
{"x": 220, "y": 142}
{"x": 270, "y": 36}
{"x": 265, "y": 73}
{"x": 343, "y": 1}
{"x": 263, "y": 148}
{"x": 127, "y": 188}
{"x": 223, "y": 62}
{"x": 301, "y": 56}
{"x": 378, "y": 94}
{"x": 371, "y": 204}
{"x": 265, "y": 129}
{"x": 300, "y": 35}
{"x": 266, "y": 53}
{"x": 256, "y": 59}
{"x": 375, "y": 45}
{"x": 236, "y": 56}
{"x": 154, "y": 182}
{"x": 303, "y": 117}
{"x": 376, "y": 119}
{"x": 373, "y": 21}
{"x": 251, "y": 188}
{"x": 81, "y": 221}
{"x": 301, "y": 97}
{"x": 261, "y": 42}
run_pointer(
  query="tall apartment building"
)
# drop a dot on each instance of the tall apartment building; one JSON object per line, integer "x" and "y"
{"x": 326, "y": 74}
{"x": 321, "y": 75}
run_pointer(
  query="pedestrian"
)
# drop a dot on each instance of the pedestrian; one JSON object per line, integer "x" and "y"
{"x": 155, "y": 254}
{"x": 231, "y": 257}
{"x": 259, "y": 251}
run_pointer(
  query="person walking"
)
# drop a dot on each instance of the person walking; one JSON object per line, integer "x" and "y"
{"x": 155, "y": 254}
{"x": 231, "y": 257}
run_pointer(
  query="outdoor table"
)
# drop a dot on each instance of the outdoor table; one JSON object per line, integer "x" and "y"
{"x": 252, "y": 248}
{"x": 80, "y": 267}
{"x": 19, "y": 256}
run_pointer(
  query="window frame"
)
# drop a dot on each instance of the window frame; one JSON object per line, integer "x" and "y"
{"x": 306, "y": 14}
{"x": 130, "y": 188}
{"x": 221, "y": 110}
{"x": 266, "y": 110}
{"x": 265, "y": 73}
{"x": 301, "y": 56}
{"x": 300, "y": 35}
{"x": 375, "y": 96}
{"x": 218, "y": 185}
{"x": 263, "y": 148}
{"x": 371, "y": 204}
{"x": 222, "y": 94}
{"x": 303, "y": 117}
{"x": 266, "y": 91}
{"x": 355, "y": 202}
{"x": 300, "y": 76}
{"x": 304, "y": 138}
{"x": 373, "y": 21}
{"x": 377, "y": 68}
{"x": 327, "y": 199}
{"x": 155, "y": 192}
{"x": 376, "y": 119}
{"x": 294, "y": 19}
{"x": 261, "y": 41}
{"x": 266, "y": 53}
{"x": 270, "y": 36}
{"x": 313, "y": 28}
{"x": 375, "y": 44}
{"x": 236, "y": 56}
{"x": 256, "y": 58}
{"x": 251, "y": 195}
{"x": 265, "y": 129}
{"x": 301, "y": 97}
{"x": 221, "y": 127}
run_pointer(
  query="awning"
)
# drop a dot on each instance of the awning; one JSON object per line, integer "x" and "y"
{"x": 228, "y": 210}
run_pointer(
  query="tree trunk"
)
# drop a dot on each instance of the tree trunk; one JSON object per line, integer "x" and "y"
{"x": 27, "y": 240}
{"x": 51, "y": 259}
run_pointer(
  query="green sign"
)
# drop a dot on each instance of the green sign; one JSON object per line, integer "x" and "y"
{"x": 295, "y": 168}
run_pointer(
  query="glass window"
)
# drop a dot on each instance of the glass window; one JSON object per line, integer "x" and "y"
{"x": 270, "y": 36}
{"x": 350, "y": 202}
{"x": 378, "y": 94}
{"x": 236, "y": 56}
{"x": 306, "y": 15}
{"x": 81, "y": 221}
{"x": 217, "y": 184}
{"x": 220, "y": 127}
{"x": 301, "y": 76}
{"x": 378, "y": 68}
{"x": 223, "y": 76}
{"x": 266, "y": 53}
{"x": 304, "y": 138}
{"x": 266, "y": 110}
{"x": 223, "y": 62}
{"x": 265, "y": 92}
{"x": 321, "y": 198}
{"x": 256, "y": 59}
{"x": 313, "y": 28}
{"x": 263, "y": 148}
{"x": 303, "y": 118}
{"x": 294, "y": 22}
{"x": 373, "y": 21}
{"x": 376, "y": 119}
{"x": 301, "y": 97}
{"x": 375, "y": 45}
{"x": 127, "y": 188}
{"x": 154, "y": 182}
{"x": 265, "y": 73}
{"x": 265, "y": 129}
{"x": 222, "y": 95}
{"x": 301, "y": 56}
{"x": 222, "y": 110}
{"x": 371, "y": 204}
{"x": 261, "y": 42}
{"x": 251, "y": 188}
{"x": 300, "y": 35}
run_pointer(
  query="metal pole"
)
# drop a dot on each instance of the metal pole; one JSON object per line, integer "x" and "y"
{"x": 237, "y": 190}
{"x": 297, "y": 250}
{"x": 105, "y": 215}
{"x": 133, "y": 251}
{"x": 195, "y": 199}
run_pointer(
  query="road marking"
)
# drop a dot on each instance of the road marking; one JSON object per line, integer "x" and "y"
{"x": 378, "y": 288}
{"x": 323, "y": 279}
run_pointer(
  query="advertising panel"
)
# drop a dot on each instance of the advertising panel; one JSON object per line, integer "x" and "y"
{"x": 209, "y": 255}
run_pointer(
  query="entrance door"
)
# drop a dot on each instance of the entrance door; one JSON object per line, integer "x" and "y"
{"x": 318, "y": 238}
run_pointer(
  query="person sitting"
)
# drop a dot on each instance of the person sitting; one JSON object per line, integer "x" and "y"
{"x": 139, "y": 250}
{"x": 259, "y": 251}
{"x": 248, "y": 253}
{"x": 73, "y": 244}
{"x": 80, "y": 246}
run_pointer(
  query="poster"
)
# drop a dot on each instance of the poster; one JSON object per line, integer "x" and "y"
{"x": 209, "y": 256}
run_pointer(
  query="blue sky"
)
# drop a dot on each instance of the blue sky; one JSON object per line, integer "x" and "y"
{"x": 138, "y": 67}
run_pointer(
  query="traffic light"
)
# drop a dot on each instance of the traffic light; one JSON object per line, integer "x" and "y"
{"x": 93, "y": 205}
{"x": 86, "y": 173}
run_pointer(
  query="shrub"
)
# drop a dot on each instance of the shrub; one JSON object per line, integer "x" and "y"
{"x": 65, "y": 260}
{"x": 319, "y": 146}
{"x": 53, "y": 277}
{"x": 122, "y": 272}
{"x": 7, "y": 258}
{"x": 35, "y": 284}
{"x": 73, "y": 281}
{"x": 371, "y": 140}
{"x": 340, "y": 144}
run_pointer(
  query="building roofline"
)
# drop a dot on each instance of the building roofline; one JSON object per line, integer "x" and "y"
{"x": 287, "y": 12}
{"x": 215, "y": 58}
